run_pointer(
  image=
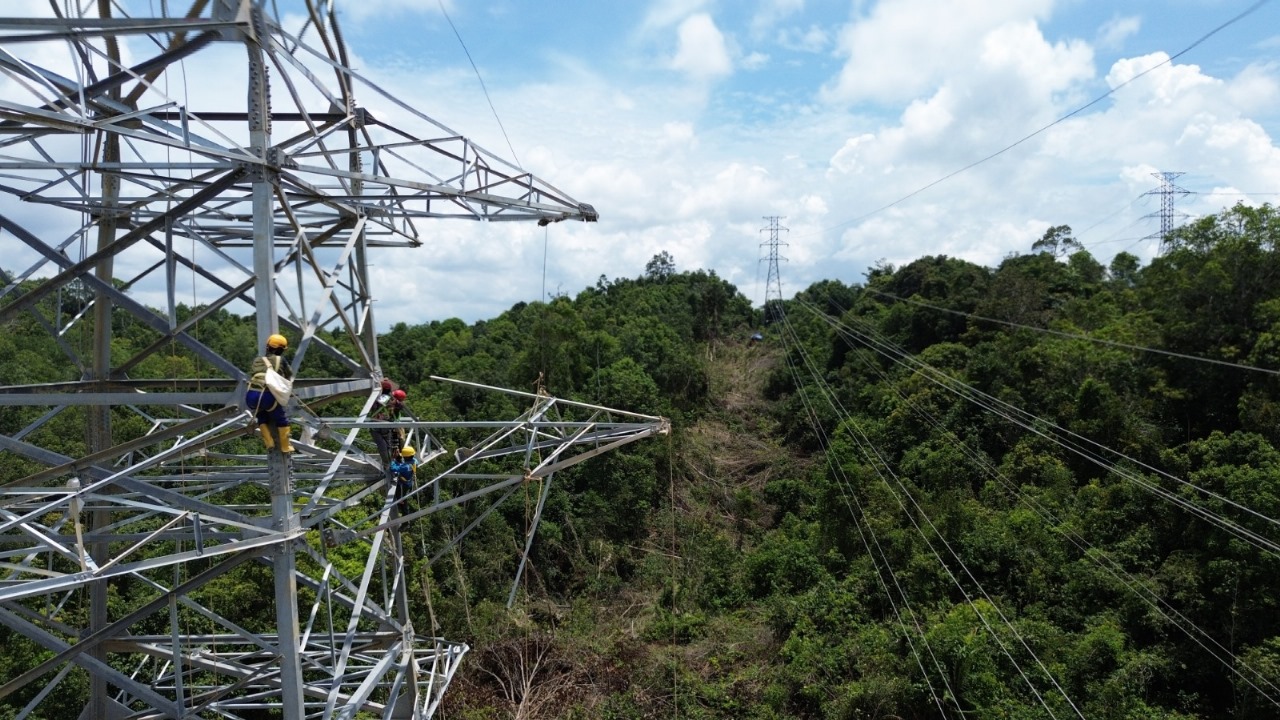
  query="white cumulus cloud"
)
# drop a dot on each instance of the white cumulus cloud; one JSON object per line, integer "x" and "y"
{"x": 702, "y": 52}
{"x": 904, "y": 48}
{"x": 1115, "y": 31}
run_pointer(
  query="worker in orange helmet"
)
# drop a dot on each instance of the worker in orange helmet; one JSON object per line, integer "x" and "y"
{"x": 264, "y": 406}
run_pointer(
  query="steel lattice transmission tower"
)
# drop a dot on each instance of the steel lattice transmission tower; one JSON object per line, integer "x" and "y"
{"x": 1168, "y": 214}
{"x": 115, "y": 556}
{"x": 773, "y": 281}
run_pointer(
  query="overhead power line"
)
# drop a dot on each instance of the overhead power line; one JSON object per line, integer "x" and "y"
{"x": 871, "y": 340}
{"x": 483, "y": 87}
{"x": 1252, "y": 8}
{"x": 1074, "y": 336}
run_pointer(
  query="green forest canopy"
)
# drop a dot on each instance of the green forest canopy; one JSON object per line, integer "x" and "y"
{"x": 1044, "y": 489}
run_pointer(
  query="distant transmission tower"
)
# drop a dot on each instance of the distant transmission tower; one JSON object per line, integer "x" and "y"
{"x": 1168, "y": 192}
{"x": 773, "y": 283}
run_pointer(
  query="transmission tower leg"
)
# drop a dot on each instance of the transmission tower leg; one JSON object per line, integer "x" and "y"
{"x": 406, "y": 705}
{"x": 286, "y": 584}
{"x": 284, "y": 517}
{"x": 99, "y": 418}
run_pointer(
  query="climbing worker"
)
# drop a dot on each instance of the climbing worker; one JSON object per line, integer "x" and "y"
{"x": 388, "y": 440}
{"x": 269, "y": 412}
{"x": 380, "y": 402}
{"x": 404, "y": 470}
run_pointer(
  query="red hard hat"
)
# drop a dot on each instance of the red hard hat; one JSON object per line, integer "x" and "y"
{"x": 386, "y": 383}
{"x": 399, "y": 395}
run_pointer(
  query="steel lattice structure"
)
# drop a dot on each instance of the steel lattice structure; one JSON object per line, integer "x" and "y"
{"x": 114, "y": 181}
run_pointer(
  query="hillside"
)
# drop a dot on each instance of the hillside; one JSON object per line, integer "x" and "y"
{"x": 1046, "y": 489}
{"x": 1042, "y": 490}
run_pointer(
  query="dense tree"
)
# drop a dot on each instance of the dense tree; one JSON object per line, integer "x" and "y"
{"x": 1043, "y": 489}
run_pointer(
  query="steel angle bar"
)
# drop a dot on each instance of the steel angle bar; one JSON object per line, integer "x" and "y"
{"x": 98, "y": 399}
{"x": 116, "y": 536}
{"x": 44, "y": 692}
{"x": 537, "y": 471}
{"x": 46, "y": 253}
{"x": 570, "y": 462}
{"x": 512, "y": 480}
{"x": 321, "y": 589}
{"x": 54, "y": 644}
{"x": 457, "y": 538}
{"x": 511, "y": 425}
{"x": 278, "y": 53}
{"x": 486, "y": 201}
{"x": 131, "y": 549}
{"x": 21, "y": 72}
{"x": 438, "y": 678}
{"x": 237, "y": 631}
{"x": 90, "y": 641}
{"x": 329, "y": 280}
{"x": 22, "y": 115}
{"x": 181, "y": 329}
{"x": 69, "y": 580}
{"x": 313, "y": 515}
{"x": 345, "y": 653}
{"x": 83, "y": 268}
{"x": 328, "y": 120}
{"x": 117, "y": 25}
{"x": 404, "y": 678}
{"x": 359, "y": 698}
{"x": 43, "y": 540}
{"x": 249, "y": 669}
{"x": 558, "y": 401}
{"x": 309, "y": 195}
{"x": 48, "y": 618}
{"x": 120, "y": 168}
{"x": 347, "y": 602}
{"x": 105, "y": 478}
{"x": 139, "y": 71}
{"x": 23, "y": 118}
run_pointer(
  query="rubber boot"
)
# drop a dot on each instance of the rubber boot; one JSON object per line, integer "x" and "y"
{"x": 267, "y": 440}
{"x": 285, "y": 447}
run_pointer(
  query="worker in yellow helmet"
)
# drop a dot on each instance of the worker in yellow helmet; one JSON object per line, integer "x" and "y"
{"x": 404, "y": 470}
{"x": 269, "y": 412}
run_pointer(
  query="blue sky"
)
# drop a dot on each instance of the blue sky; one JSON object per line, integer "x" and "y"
{"x": 686, "y": 122}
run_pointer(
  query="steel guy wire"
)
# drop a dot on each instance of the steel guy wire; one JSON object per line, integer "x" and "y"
{"x": 1097, "y": 555}
{"x": 860, "y": 438}
{"x": 1062, "y": 119}
{"x": 1030, "y": 421}
{"x": 846, "y": 493}
{"x": 1073, "y": 336}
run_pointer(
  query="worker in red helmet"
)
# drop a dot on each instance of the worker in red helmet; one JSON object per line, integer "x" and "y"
{"x": 270, "y": 413}
{"x": 388, "y": 408}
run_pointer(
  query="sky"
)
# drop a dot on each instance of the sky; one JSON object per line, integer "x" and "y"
{"x": 687, "y": 123}
{"x": 878, "y": 131}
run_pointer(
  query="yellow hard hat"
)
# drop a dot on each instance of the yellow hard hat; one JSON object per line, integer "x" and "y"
{"x": 277, "y": 341}
{"x": 407, "y": 451}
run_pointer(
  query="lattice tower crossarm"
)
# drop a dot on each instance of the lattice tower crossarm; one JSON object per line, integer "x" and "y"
{"x": 270, "y": 204}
